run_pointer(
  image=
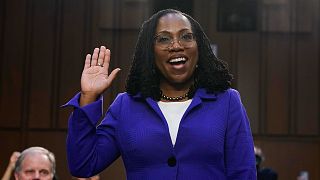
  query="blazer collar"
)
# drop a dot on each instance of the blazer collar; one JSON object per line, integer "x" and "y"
{"x": 201, "y": 93}
{"x": 204, "y": 95}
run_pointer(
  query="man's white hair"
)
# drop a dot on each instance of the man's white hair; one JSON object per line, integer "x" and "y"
{"x": 33, "y": 150}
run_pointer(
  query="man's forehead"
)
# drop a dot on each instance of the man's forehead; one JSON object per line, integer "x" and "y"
{"x": 36, "y": 160}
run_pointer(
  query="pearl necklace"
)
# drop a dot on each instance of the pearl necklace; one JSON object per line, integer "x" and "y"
{"x": 177, "y": 98}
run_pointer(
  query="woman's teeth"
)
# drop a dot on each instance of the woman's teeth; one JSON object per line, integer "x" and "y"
{"x": 177, "y": 60}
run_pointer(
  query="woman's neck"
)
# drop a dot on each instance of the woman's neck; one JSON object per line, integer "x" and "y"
{"x": 176, "y": 92}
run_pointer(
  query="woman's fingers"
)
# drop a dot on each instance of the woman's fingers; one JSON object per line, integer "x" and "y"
{"x": 113, "y": 74}
{"x": 87, "y": 61}
{"x": 106, "y": 59}
{"x": 94, "y": 59}
{"x": 97, "y": 58}
{"x": 101, "y": 56}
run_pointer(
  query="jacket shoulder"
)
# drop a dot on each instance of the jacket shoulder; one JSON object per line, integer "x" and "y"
{"x": 229, "y": 93}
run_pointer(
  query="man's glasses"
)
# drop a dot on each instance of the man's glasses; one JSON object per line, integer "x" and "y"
{"x": 165, "y": 41}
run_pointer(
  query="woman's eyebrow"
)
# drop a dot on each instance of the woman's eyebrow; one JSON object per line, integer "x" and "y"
{"x": 168, "y": 32}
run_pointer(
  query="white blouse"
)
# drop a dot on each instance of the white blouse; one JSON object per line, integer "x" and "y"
{"x": 173, "y": 112}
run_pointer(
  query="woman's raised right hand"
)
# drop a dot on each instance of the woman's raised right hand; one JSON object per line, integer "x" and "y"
{"x": 95, "y": 78}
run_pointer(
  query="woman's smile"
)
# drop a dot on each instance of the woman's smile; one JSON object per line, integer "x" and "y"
{"x": 178, "y": 63}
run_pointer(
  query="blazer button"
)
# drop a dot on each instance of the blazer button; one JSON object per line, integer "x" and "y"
{"x": 172, "y": 161}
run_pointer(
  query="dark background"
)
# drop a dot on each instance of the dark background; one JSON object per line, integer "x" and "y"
{"x": 274, "y": 57}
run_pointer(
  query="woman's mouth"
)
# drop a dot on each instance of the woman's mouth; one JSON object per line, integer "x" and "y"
{"x": 178, "y": 61}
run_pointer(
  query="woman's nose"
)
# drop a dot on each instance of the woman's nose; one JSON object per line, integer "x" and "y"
{"x": 175, "y": 45}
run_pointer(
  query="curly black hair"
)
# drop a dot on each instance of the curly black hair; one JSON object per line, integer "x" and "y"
{"x": 211, "y": 73}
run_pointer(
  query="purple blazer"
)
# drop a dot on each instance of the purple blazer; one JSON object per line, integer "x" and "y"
{"x": 214, "y": 140}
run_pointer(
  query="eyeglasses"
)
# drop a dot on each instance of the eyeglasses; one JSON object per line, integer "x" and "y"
{"x": 164, "y": 41}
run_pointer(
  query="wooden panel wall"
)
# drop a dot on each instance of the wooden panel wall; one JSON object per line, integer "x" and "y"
{"x": 40, "y": 41}
{"x": 276, "y": 70}
{"x": 43, "y": 45}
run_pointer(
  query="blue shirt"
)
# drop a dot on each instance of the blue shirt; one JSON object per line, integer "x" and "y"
{"x": 214, "y": 140}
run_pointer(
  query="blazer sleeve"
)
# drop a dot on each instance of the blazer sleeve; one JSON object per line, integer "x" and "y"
{"x": 90, "y": 149}
{"x": 239, "y": 149}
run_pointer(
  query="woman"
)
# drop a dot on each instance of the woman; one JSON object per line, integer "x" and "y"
{"x": 176, "y": 84}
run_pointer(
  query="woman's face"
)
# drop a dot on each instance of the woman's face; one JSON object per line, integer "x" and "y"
{"x": 175, "y": 49}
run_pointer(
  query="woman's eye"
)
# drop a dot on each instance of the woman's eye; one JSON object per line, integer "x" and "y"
{"x": 163, "y": 39}
{"x": 187, "y": 37}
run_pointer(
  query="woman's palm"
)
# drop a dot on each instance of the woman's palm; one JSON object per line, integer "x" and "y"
{"x": 95, "y": 78}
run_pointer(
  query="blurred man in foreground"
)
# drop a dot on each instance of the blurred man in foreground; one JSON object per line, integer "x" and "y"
{"x": 36, "y": 163}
